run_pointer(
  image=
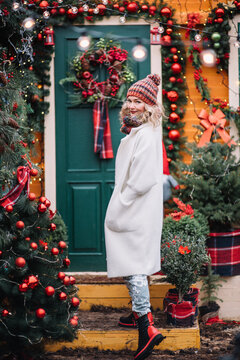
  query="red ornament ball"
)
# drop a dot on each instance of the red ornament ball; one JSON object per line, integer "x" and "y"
{"x": 20, "y": 262}
{"x": 73, "y": 322}
{"x": 1, "y": 252}
{"x": 174, "y": 135}
{"x": 71, "y": 14}
{"x": 169, "y": 31}
{"x": 175, "y": 58}
{"x": 152, "y": 9}
{"x": 47, "y": 203}
{"x": 122, "y": 9}
{"x": 173, "y": 50}
{"x": 34, "y": 246}
{"x": 53, "y": 226}
{"x": 174, "y": 117}
{"x": 132, "y": 7}
{"x": 90, "y": 11}
{"x": 55, "y": 251}
{"x": 32, "y": 196}
{"x": 169, "y": 22}
{"x": 75, "y": 301}
{"x": 33, "y": 172}
{"x": 66, "y": 281}
{"x": 220, "y": 20}
{"x": 20, "y": 225}
{"x": 5, "y": 313}
{"x": 32, "y": 281}
{"x": 219, "y": 12}
{"x": 53, "y": 12}
{"x": 101, "y": 8}
{"x": 172, "y": 95}
{"x": 61, "y": 11}
{"x": 75, "y": 317}
{"x": 27, "y": 238}
{"x": 144, "y": 8}
{"x": 23, "y": 287}
{"x": 61, "y": 275}
{"x": 72, "y": 280}
{"x": 165, "y": 11}
{"x": 9, "y": 208}
{"x": 66, "y": 262}
{"x": 166, "y": 40}
{"x": 176, "y": 68}
{"x": 40, "y": 313}
{"x": 49, "y": 290}
{"x": 173, "y": 107}
{"x": 116, "y": 6}
{"x": 62, "y": 245}
{"x": 62, "y": 296}
{"x": 42, "y": 199}
{"x": 43, "y": 4}
{"x": 172, "y": 79}
{"x": 42, "y": 208}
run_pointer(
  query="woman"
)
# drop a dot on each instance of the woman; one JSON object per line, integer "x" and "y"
{"x": 133, "y": 221}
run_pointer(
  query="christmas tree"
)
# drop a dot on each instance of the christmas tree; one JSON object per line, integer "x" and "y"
{"x": 211, "y": 183}
{"x": 37, "y": 299}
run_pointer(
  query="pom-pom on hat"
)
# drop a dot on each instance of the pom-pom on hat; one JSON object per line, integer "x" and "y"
{"x": 146, "y": 89}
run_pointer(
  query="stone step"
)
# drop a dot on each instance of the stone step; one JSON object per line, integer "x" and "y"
{"x": 99, "y": 329}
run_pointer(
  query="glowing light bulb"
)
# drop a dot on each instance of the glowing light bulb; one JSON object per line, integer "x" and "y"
{"x": 208, "y": 57}
{"x": 105, "y": 2}
{"x": 139, "y": 52}
{"x": 198, "y": 37}
{"x": 83, "y": 42}
{"x": 74, "y": 10}
{"x": 96, "y": 10}
{"x": 46, "y": 14}
{"x": 85, "y": 7}
{"x": 122, "y": 19}
{"x": 28, "y": 23}
{"x": 160, "y": 29}
{"x": 15, "y": 6}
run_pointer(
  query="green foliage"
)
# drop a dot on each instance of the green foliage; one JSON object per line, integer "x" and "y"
{"x": 60, "y": 234}
{"x": 210, "y": 286}
{"x": 211, "y": 183}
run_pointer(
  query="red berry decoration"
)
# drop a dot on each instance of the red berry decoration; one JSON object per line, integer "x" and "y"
{"x": 43, "y": 4}
{"x": 73, "y": 322}
{"x": 72, "y": 280}
{"x": 176, "y": 68}
{"x": 5, "y": 313}
{"x": 20, "y": 225}
{"x": 9, "y": 208}
{"x": 174, "y": 135}
{"x": 42, "y": 199}
{"x": 34, "y": 246}
{"x": 33, "y": 172}
{"x": 165, "y": 11}
{"x": 47, "y": 203}
{"x": 66, "y": 281}
{"x": 66, "y": 262}
{"x": 23, "y": 287}
{"x": 62, "y": 245}
{"x": 40, "y": 313}
{"x": 220, "y": 20}
{"x": 174, "y": 117}
{"x": 61, "y": 275}
{"x": 219, "y": 12}
{"x": 32, "y": 196}
{"x": 144, "y": 8}
{"x": 20, "y": 262}
{"x": 27, "y": 238}
{"x": 55, "y": 251}
{"x": 49, "y": 290}
{"x": 132, "y": 7}
{"x": 62, "y": 296}
{"x": 42, "y": 208}
{"x": 172, "y": 95}
{"x": 75, "y": 301}
{"x": 53, "y": 226}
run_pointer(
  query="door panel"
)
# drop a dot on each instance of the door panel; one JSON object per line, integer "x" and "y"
{"x": 84, "y": 182}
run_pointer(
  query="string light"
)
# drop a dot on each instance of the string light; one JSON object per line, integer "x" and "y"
{"x": 15, "y": 6}
{"x": 122, "y": 19}
{"x": 139, "y": 52}
{"x": 96, "y": 10}
{"x": 160, "y": 29}
{"x": 46, "y": 14}
{"x": 28, "y": 23}
{"x": 85, "y": 7}
{"x": 208, "y": 57}
{"x": 198, "y": 36}
{"x": 105, "y": 2}
{"x": 74, "y": 10}
{"x": 83, "y": 42}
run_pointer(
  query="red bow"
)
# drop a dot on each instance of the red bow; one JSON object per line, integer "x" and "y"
{"x": 212, "y": 122}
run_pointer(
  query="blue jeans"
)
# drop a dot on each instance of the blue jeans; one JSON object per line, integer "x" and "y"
{"x": 138, "y": 290}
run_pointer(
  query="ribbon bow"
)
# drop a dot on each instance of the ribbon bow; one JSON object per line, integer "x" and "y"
{"x": 212, "y": 122}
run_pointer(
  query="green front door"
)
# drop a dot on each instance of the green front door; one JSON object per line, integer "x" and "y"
{"x": 84, "y": 182}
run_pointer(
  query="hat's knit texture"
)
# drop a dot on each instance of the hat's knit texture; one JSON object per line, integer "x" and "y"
{"x": 146, "y": 89}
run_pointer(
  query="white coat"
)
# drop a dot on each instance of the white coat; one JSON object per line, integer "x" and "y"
{"x": 133, "y": 222}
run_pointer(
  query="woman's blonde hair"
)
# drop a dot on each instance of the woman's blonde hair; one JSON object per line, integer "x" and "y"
{"x": 151, "y": 114}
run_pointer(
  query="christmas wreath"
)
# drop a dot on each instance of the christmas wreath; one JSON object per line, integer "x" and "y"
{"x": 85, "y": 68}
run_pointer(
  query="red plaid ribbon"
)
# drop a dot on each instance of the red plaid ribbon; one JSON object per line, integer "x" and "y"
{"x": 23, "y": 176}
{"x": 102, "y": 132}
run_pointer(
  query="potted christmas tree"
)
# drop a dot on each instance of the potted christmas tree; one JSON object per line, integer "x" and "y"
{"x": 183, "y": 254}
{"x": 211, "y": 183}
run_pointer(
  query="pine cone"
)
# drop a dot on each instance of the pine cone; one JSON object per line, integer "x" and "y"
{"x": 117, "y": 65}
{"x": 108, "y": 89}
{"x": 3, "y": 78}
{"x": 13, "y": 123}
{"x": 85, "y": 65}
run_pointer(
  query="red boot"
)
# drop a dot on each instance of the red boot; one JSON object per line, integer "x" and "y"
{"x": 131, "y": 320}
{"x": 149, "y": 336}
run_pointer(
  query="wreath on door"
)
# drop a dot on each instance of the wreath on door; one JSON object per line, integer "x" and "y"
{"x": 86, "y": 88}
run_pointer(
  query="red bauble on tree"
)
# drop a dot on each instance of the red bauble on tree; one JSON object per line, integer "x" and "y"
{"x": 102, "y": 9}
{"x": 43, "y": 4}
{"x": 219, "y": 12}
{"x": 176, "y": 68}
{"x": 32, "y": 281}
{"x": 9, "y": 208}
{"x": 5, "y": 313}
{"x": 62, "y": 296}
{"x": 174, "y": 135}
{"x": 34, "y": 246}
{"x": 20, "y": 225}
{"x": 144, "y": 8}
{"x": 32, "y": 196}
{"x": 173, "y": 50}
{"x": 33, "y": 172}
{"x": 20, "y": 262}
{"x": 165, "y": 11}
{"x": 23, "y": 287}
{"x": 27, "y": 238}
{"x": 174, "y": 117}
{"x": 75, "y": 301}
{"x": 169, "y": 31}
{"x": 49, "y": 290}
{"x": 71, "y": 14}
{"x": 132, "y": 7}
{"x": 42, "y": 208}
{"x": 175, "y": 58}
{"x": 47, "y": 203}
{"x": 172, "y": 95}
{"x": 72, "y": 280}
{"x": 61, "y": 11}
{"x": 152, "y": 10}
{"x": 172, "y": 79}
{"x": 61, "y": 275}
{"x": 166, "y": 40}
{"x": 62, "y": 245}
{"x": 42, "y": 199}
{"x": 40, "y": 313}
{"x": 173, "y": 107}
{"x": 52, "y": 227}
{"x": 66, "y": 262}
{"x": 55, "y": 251}
{"x": 73, "y": 322}
{"x": 115, "y": 6}
{"x": 66, "y": 281}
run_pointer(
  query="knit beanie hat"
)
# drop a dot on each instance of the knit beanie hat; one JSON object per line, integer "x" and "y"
{"x": 146, "y": 89}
